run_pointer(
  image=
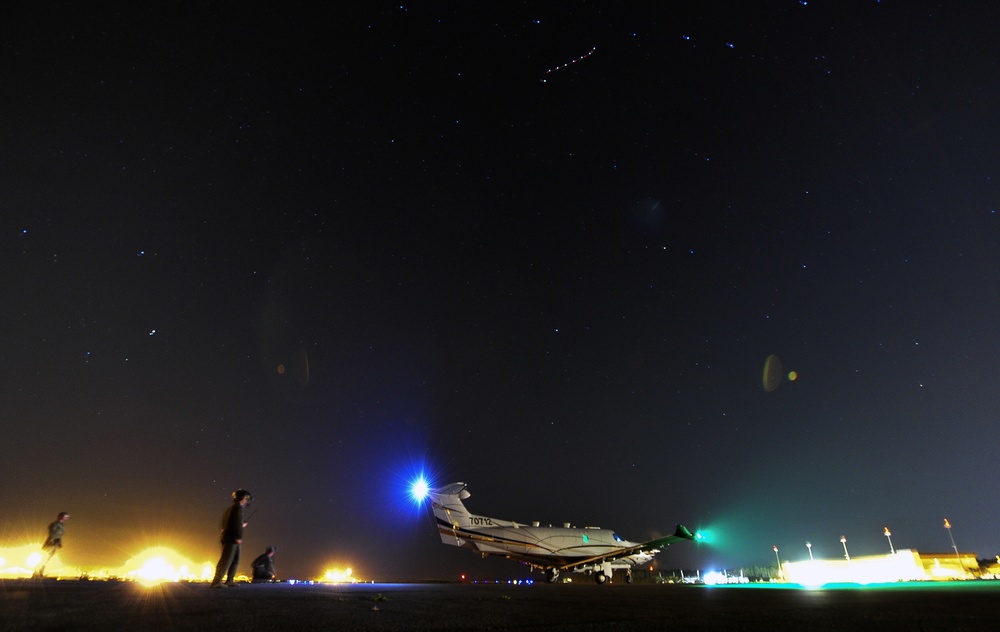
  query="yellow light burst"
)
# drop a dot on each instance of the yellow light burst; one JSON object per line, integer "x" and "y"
{"x": 161, "y": 564}
{"x": 22, "y": 561}
{"x": 338, "y": 576}
{"x": 151, "y": 566}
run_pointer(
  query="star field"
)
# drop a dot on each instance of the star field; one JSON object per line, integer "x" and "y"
{"x": 544, "y": 249}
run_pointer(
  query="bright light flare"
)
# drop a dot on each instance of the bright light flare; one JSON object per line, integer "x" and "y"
{"x": 410, "y": 488}
{"x": 419, "y": 490}
{"x": 154, "y": 571}
{"x": 22, "y": 561}
{"x": 152, "y": 566}
{"x": 160, "y": 564}
{"x": 905, "y": 565}
{"x": 338, "y": 576}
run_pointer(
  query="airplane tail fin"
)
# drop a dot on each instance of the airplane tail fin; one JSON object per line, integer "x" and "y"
{"x": 450, "y": 512}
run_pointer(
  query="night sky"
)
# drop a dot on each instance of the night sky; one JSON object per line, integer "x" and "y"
{"x": 314, "y": 251}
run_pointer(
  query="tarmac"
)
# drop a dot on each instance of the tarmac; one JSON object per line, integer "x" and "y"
{"x": 98, "y": 605}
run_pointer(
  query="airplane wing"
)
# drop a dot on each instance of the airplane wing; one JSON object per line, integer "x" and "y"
{"x": 681, "y": 533}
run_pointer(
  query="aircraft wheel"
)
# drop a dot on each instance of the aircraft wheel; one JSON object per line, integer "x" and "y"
{"x": 628, "y": 577}
{"x": 601, "y": 578}
{"x": 552, "y": 575}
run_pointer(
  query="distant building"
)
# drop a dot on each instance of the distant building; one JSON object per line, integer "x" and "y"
{"x": 949, "y": 565}
{"x": 991, "y": 571}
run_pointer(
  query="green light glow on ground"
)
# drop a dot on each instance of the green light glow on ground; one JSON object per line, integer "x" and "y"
{"x": 977, "y": 585}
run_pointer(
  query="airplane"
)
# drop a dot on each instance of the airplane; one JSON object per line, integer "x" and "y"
{"x": 588, "y": 550}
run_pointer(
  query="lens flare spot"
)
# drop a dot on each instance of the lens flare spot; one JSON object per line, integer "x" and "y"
{"x": 772, "y": 377}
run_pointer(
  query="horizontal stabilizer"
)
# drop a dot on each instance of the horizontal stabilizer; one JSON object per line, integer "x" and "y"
{"x": 650, "y": 547}
{"x": 682, "y": 533}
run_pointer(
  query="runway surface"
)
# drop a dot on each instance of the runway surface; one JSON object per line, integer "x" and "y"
{"x": 82, "y": 605}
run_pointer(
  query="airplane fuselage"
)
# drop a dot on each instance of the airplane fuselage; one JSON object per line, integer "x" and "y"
{"x": 553, "y": 549}
{"x": 547, "y": 544}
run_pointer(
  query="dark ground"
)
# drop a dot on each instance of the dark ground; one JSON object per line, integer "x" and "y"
{"x": 73, "y": 605}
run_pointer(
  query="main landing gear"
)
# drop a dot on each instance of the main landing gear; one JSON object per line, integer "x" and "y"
{"x": 603, "y": 578}
{"x": 603, "y": 573}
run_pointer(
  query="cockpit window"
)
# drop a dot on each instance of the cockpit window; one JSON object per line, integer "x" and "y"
{"x": 617, "y": 537}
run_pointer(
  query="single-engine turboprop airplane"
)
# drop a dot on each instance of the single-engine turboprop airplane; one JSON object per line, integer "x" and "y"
{"x": 587, "y": 550}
